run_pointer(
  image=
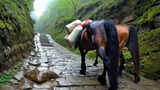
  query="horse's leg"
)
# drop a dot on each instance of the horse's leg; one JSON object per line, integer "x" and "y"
{"x": 102, "y": 78}
{"x": 106, "y": 64}
{"x": 136, "y": 66}
{"x": 96, "y": 61}
{"x": 134, "y": 49}
{"x": 83, "y": 64}
{"x": 122, "y": 61}
{"x": 112, "y": 70}
{"x": 113, "y": 73}
{"x": 136, "y": 62}
{"x": 113, "y": 78}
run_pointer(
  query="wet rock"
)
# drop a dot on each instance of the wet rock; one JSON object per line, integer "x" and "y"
{"x": 14, "y": 81}
{"x": 48, "y": 75}
{"x": 19, "y": 76}
{"x": 40, "y": 77}
{"x": 55, "y": 70}
{"x": 32, "y": 53}
{"x": 34, "y": 62}
{"x": 6, "y": 87}
{"x": 45, "y": 85}
{"x": 42, "y": 68}
{"x": 128, "y": 19}
{"x": 65, "y": 88}
{"x": 44, "y": 65}
{"x": 7, "y": 51}
{"x": 43, "y": 60}
{"x": 27, "y": 85}
{"x": 32, "y": 75}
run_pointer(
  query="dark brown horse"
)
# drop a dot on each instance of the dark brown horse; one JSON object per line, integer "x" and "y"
{"x": 127, "y": 36}
{"x": 97, "y": 37}
{"x": 103, "y": 37}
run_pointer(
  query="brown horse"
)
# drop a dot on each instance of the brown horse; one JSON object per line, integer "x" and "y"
{"x": 124, "y": 37}
{"x": 127, "y": 36}
{"x": 103, "y": 37}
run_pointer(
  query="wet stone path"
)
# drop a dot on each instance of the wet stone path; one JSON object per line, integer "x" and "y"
{"x": 54, "y": 67}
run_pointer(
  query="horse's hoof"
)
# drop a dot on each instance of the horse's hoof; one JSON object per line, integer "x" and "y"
{"x": 137, "y": 79}
{"x": 110, "y": 88}
{"x": 94, "y": 64}
{"x": 83, "y": 72}
{"x": 102, "y": 80}
{"x": 120, "y": 73}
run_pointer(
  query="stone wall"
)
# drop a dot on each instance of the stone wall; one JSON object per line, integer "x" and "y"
{"x": 16, "y": 31}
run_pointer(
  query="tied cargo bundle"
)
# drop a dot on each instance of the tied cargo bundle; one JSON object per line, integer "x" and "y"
{"x": 73, "y": 35}
{"x": 72, "y": 25}
{"x": 73, "y": 29}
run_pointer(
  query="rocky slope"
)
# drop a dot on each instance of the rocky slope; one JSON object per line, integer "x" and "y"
{"x": 16, "y": 31}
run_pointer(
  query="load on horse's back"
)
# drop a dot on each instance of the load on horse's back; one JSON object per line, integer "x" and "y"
{"x": 73, "y": 29}
{"x": 108, "y": 40}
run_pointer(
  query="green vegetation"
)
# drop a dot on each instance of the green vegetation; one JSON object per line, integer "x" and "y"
{"x": 149, "y": 52}
{"x": 142, "y": 13}
{"x": 16, "y": 31}
{"x": 6, "y": 77}
{"x": 148, "y": 15}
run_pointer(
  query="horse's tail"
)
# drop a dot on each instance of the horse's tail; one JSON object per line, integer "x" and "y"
{"x": 112, "y": 50}
{"x": 133, "y": 39}
{"x": 132, "y": 45}
{"x": 77, "y": 41}
{"x": 112, "y": 38}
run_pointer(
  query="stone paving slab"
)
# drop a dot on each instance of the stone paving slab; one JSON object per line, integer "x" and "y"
{"x": 81, "y": 88}
{"x": 77, "y": 81}
{"x": 45, "y": 41}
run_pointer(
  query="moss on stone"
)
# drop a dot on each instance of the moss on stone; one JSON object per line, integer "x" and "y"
{"x": 148, "y": 15}
{"x": 149, "y": 52}
{"x": 16, "y": 28}
{"x": 2, "y": 25}
{"x": 149, "y": 42}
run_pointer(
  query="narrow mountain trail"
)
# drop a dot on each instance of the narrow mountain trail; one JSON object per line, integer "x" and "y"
{"x": 53, "y": 67}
